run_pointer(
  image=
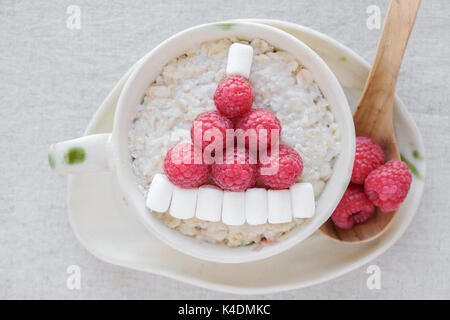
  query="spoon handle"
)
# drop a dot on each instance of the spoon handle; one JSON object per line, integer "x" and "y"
{"x": 373, "y": 117}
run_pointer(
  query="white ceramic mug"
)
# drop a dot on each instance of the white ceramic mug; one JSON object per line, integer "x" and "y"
{"x": 109, "y": 152}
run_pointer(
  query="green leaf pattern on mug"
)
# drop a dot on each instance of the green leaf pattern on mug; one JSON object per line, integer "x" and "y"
{"x": 75, "y": 155}
{"x": 51, "y": 160}
{"x": 225, "y": 26}
{"x": 411, "y": 166}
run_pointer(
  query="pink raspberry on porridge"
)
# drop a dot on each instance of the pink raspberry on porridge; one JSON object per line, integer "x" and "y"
{"x": 281, "y": 171}
{"x": 237, "y": 172}
{"x": 207, "y": 125}
{"x": 184, "y": 166}
{"x": 264, "y": 124}
{"x": 233, "y": 96}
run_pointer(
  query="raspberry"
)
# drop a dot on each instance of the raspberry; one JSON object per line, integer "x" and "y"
{"x": 354, "y": 208}
{"x": 363, "y": 216}
{"x": 264, "y": 123}
{"x": 213, "y": 121}
{"x": 388, "y": 185}
{"x": 288, "y": 166}
{"x": 181, "y": 168}
{"x": 238, "y": 172}
{"x": 368, "y": 156}
{"x": 233, "y": 96}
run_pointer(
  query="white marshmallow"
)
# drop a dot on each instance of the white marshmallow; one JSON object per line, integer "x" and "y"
{"x": 279, "y": 203}
{"x": 256, "y": 206}
{"x": 302, "y": 199}
{"x": 159, "y": 193}
{"x": 240, "y": 58}
{"x": 183, "y": 203}
{"x": 233, "y": 208}
{"x": 209, "y": 203}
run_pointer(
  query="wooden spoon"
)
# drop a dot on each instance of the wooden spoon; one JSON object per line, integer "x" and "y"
{"x": 373, "y": 117}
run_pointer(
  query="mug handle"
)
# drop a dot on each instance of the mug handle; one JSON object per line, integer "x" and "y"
{"x": 83, "y": 155}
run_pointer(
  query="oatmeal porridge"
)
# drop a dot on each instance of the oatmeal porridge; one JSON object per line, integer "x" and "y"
{"x": 185, "y": 88}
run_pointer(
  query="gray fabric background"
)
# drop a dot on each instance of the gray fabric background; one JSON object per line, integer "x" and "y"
{"x": 52, "y": 79}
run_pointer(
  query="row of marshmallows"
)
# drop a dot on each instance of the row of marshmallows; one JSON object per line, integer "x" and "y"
{"x": 255, "y": 206}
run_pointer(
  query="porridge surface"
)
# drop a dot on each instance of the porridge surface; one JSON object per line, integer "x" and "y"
{"x": 186, "y": 88}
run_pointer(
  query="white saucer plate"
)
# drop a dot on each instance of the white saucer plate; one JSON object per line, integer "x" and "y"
{"x": 103, "y": 223}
